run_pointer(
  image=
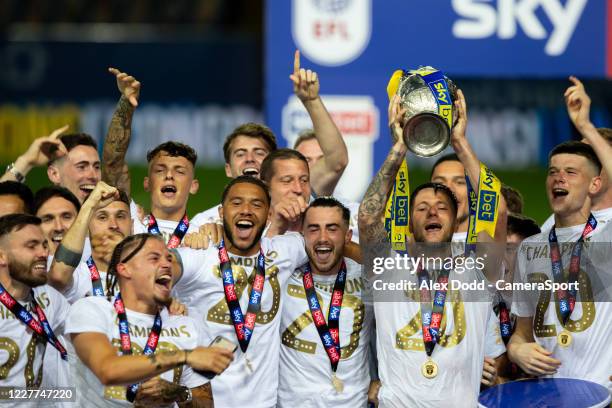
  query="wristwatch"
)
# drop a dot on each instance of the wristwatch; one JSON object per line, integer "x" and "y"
{"x": 185, "y": 395}
{"x": 18, "y": 176}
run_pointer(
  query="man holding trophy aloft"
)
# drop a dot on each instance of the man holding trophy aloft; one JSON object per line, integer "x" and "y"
{"x": 430, "y": 334}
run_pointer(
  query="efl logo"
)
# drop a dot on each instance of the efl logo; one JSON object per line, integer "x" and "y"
{"x": 481, "y": 19}
{"x": 332, "y": 32}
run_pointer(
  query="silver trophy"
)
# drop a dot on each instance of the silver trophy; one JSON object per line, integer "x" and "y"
{"x": 428, "y": 96}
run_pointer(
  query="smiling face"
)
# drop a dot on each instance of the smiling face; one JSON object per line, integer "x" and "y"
{"x": 26, "y": 252}
{"x": 79, "y": 171}
{"x": 170, "y": 181}
{"x": 149, "y": 272}
{"x": 570, "y": 181}
{"x": 244, "y": 212}
{"x": 57, "y": 215}
{"x": 245, "y": 156}
{"x": 108, "y": 226}
{"x": 433, "y": 218}
{"x": 452, "y": 174}
{"x": 325, "y": 234}
{"x": 290, "y": 178}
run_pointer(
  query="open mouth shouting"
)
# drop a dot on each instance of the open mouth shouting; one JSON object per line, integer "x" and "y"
{"x": 164, "y": 282}
{"x": 323, "y": 252}
{"x": 244, "y": 228}
{"x": 433, "y": 227}
{"x": 558, "y": 192}
{"x": 87, "y": 188}
{"x": 169, "y": 190}
{"x": 250, "y": 171}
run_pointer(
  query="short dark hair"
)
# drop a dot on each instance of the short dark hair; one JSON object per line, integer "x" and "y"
{"x": 72, "y": 140}
{"x": 522, "y": 226}
{"x": 15, "y": 222}
{"x": 248, "y": 180}
{"x": 577, "y": 148}
{"x": 514, "y": 199}
{"x": 304, "y": 136}
{"x": 250, "y": 129}
{"x": 174, "y": 149}
{"x": 330, "y": 202}
{"x": 437, "y": 187}
{"x": 445, "y": 158}
{"x": 46, "y": 193}
{"x": 20, "y": 190}
{"x": 267, "y": 166}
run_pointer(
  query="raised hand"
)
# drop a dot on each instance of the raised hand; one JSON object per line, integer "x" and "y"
{"x": 305, "y": 82}
{"x": 396, "y": 114}
{"x": 46, "y": 148}
{"x": 102, "y": 195}
{"x": 127, "y": 85}
{"x": 578, "y": 103}
{"x": 459, "y": 129}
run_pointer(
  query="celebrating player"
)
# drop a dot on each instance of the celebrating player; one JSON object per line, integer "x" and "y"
{"x": 133, "y": 340}
{"x": 57, "y": 208}
{"x": 324, "y": 355}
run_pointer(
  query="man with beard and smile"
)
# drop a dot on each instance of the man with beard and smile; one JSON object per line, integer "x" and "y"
{"x": 307, "y": 372}
{"x": 25, "y": 298}
{"x": 134, "y": 340}
{"x": 419, "y": 367}
{"x": 248, "y": 145}
{"x": 218, "y": 283}
{"x": 106, "y": 215}
{"x": 57, "y": 208}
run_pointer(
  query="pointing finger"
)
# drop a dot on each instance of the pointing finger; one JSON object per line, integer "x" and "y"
{"x": 296, "y": 62}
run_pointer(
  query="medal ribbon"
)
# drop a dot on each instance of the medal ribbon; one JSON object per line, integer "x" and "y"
{"x": 328, "y": 332}
{"x": 244, "y": 326}
{"x": 431, "y": 317}
{"x": 41, "y": 326}
{"x": 126, "y": 343}
{"x": 96, "y": 282}
{"x": 177, "y": 235}
{"x": 566, "y": 299}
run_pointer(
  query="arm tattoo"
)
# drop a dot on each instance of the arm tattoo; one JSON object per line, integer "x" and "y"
{"x": 117, "y": 142}
{"x": 372, "y": 208}
{"x": 166, "y": 359}
{"x": 68, "y": 257}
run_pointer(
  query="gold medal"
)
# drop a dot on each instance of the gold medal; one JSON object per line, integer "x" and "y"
{"x": 564, "y": 339}
{"x": 429, "y": 369}
{"x": 337, "y": 383}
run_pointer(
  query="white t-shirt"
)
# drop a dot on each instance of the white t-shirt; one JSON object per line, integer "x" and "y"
{"x": 494, "y": 344}
{"x": 81, "y": 283}
{"x": 21, "y": 356}
{"x": 589, "y": 357}
{"x": 165, "y": 227}
{"x": 602, "y": 217}
{"x": 201, "y": 289}
{"x": 210, "y": 216}
{"x": 459, "y": 355}
{"x": 305, "y": 370}
{"x": 97, "y": 314}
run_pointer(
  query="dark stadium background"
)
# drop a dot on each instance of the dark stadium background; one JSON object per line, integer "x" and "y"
{"x": 186, "y": 53}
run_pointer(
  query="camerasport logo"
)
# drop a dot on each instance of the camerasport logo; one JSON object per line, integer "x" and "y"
{"x": 354, "y": 116}
{"x": 332, "y": 32}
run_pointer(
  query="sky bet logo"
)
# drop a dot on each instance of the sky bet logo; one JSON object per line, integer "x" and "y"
{"x": 502, "y": 18}
{"x": 486, "y": 205}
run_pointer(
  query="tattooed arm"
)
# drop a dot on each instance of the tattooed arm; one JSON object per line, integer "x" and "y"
{"x": 96, "y": 351}
{"x": 157, "y": 391}
{"x": 114, "y": 168}
{"x": 372, "y": 208}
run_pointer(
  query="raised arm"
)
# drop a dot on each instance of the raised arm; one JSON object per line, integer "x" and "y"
{"x": 69, "y": 252}
{"x": 325, "y": 174}
{"x": 578, "y": 105}
{"x": 114, "y": 168}
{"x": 372, "y": 209}
{"x": 41, "y": 152}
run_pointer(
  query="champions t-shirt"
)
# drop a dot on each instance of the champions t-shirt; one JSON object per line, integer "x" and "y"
{"x": 97, "y": 314}
{"x": 305, "y": 369}
{"x": 589, "y": 356}
{"x": 200, "y": 287}
{"x": 459, "y": 355}
{"x": 22, "y": 353}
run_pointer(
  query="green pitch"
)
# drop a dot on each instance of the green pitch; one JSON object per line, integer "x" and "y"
{"x": 529, "y": 182}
